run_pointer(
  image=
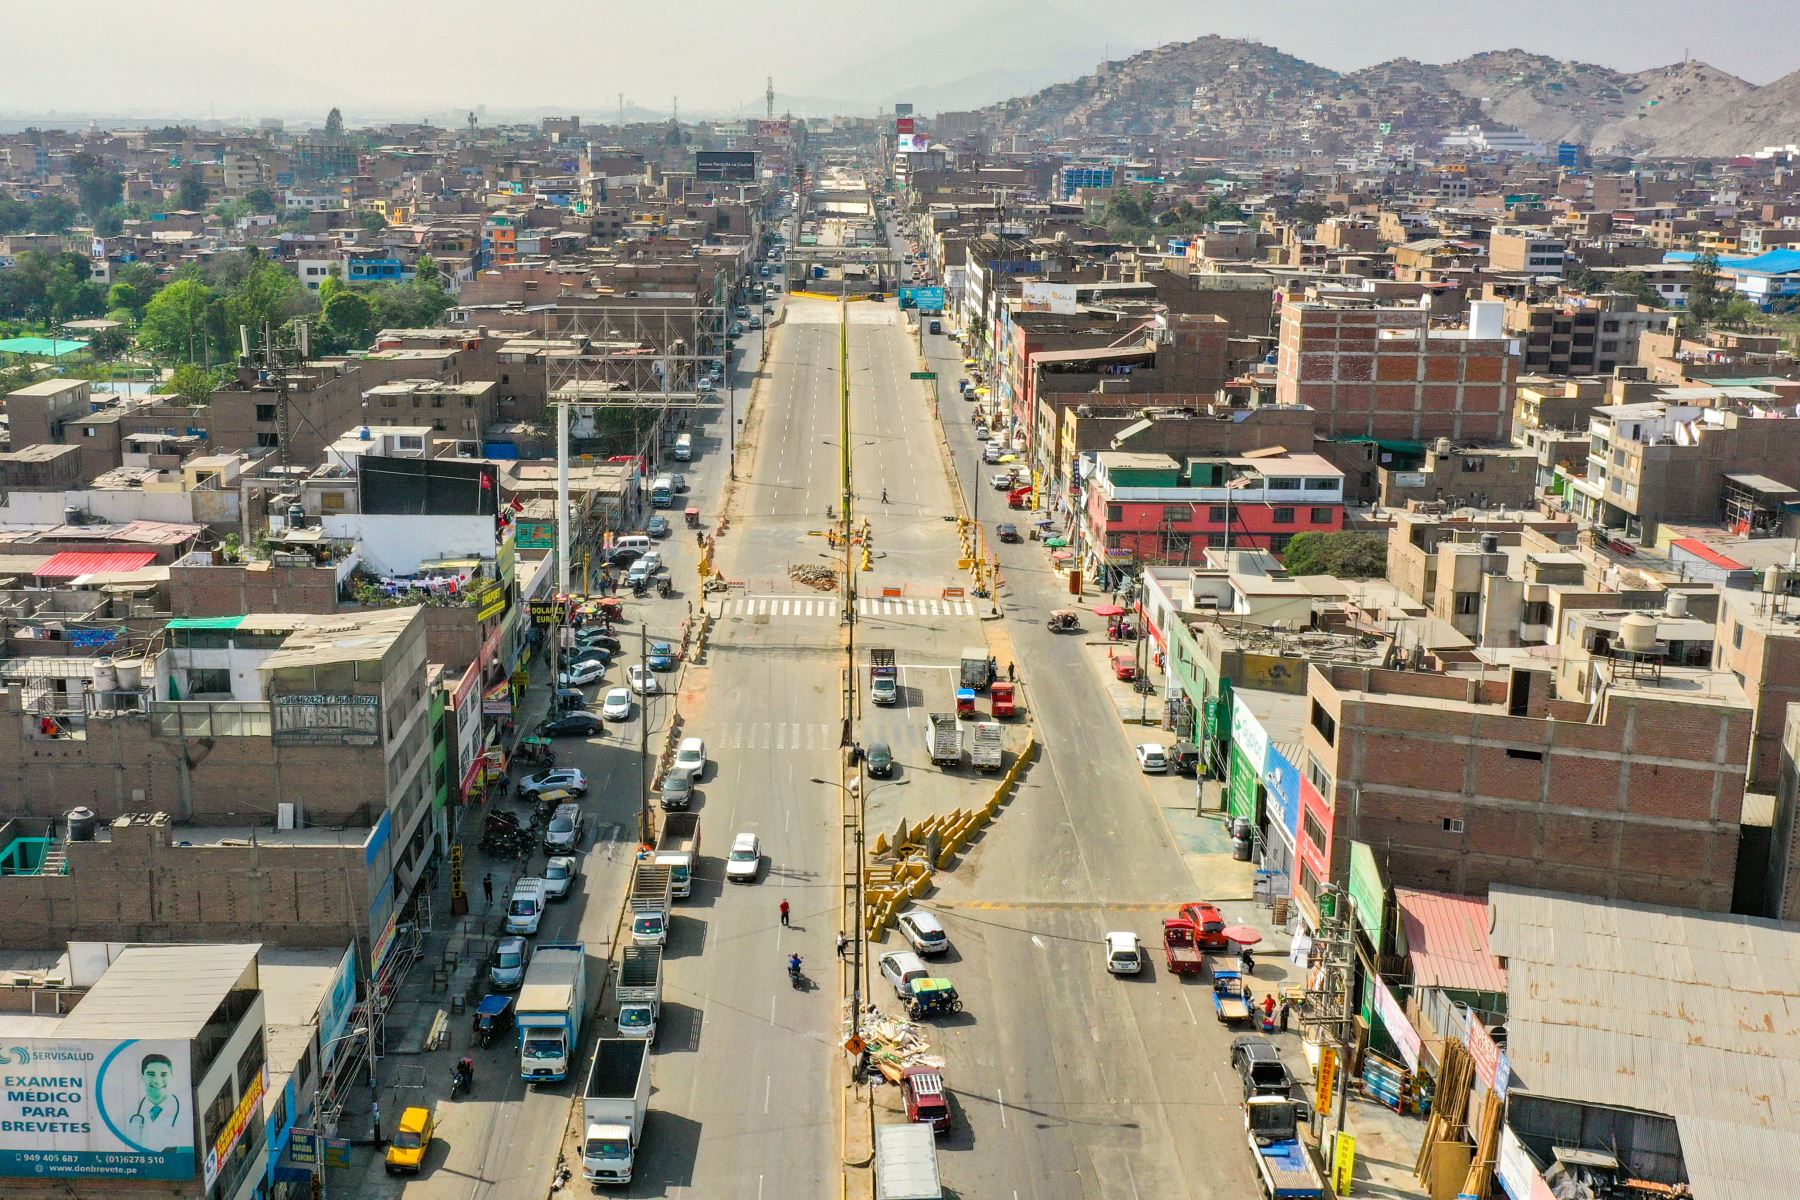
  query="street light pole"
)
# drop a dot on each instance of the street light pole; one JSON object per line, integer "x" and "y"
{"x": 323, "y": 1175}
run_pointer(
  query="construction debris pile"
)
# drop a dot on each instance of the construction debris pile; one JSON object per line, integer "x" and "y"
{"x": 894, "y": 1044}
{"x": 822, "y": 579}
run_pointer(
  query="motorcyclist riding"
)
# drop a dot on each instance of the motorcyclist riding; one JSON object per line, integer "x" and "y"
{"x": 465, "y": 1073}
{"x": 794, "y": 965}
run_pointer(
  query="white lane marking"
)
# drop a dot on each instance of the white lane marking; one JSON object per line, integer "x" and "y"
{"x": 1192, "y": 1019}
{"x": 1037, "y": 941}
{"x": 1000, "y": 1099}
{"x": 768, "y": 1086}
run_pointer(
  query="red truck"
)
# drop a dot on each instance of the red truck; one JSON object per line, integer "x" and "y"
{"x": 1181, "y": 947}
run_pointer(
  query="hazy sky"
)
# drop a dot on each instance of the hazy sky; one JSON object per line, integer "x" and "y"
{"x": 378, "y": 58}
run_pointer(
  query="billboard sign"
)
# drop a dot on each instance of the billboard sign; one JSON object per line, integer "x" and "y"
{"x": 328, "y": 719}
{"x": 903, "y": 125}
{"x": 335, "y": 1010}
{"x": 725, "y": 166}
{"x": 1282, "y": 778}
{"x": 925, "y": 299}
{"x": 914, "y": 143}
{"x": 96, "y": 1109}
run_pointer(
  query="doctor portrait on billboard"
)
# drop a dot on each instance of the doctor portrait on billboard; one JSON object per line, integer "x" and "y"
{"x": 160, "y": 1121}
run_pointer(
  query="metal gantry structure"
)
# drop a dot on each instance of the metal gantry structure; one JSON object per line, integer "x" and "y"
{"x": 647, "y": 358}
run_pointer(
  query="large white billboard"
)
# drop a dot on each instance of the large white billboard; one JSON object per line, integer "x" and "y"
{"x": 88, "y": 1109}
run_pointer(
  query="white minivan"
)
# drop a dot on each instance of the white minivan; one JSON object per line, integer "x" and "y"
{"x": 684, "y": 448}
{"x": 526, "y": 908}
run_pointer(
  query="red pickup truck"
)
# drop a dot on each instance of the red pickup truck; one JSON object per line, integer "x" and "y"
{"x": 1181, "y": 948}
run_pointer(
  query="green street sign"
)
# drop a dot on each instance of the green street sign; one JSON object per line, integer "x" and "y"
{"x": 923, "y": 375}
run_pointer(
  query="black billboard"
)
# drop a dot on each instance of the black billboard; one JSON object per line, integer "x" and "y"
{"x": 725, "y": 166}
{"x": 428, "y": 486}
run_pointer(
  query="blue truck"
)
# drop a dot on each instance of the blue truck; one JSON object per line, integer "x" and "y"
{"x": 1272, "y": 1127}
{"x": 552, "y": 1003}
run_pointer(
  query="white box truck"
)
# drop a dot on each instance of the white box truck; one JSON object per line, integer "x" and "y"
{"x": 552, "y": 1003}
{"x": 638, "y": 987}
{"x": 614, "y": 1106}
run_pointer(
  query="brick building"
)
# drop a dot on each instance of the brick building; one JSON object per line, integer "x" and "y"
{"x": 1384, "y": 373}
{"x": 1462, "y": 781}
{"x": 1153, "y": 508}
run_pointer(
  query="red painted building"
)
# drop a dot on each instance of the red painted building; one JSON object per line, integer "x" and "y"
{"x": 1154, "y": 509}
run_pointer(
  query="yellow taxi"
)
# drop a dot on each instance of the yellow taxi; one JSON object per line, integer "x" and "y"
{"x": 411, "y": 1142}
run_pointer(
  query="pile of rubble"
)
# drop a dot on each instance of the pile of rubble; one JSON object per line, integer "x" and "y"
{"x": 894, "y": 1044}
{"x": 824, "y": 579}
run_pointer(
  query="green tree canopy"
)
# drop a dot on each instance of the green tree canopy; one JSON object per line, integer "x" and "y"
{"x": 53, "y": 214}
{"x": 260, "y": 200}
{"x": 99, "y": 186}
{"x": 193, "y": 383}
{"x": 192, "y": 193}
{"x": 349, "y": 321}
{"x": 371, "y": 221}
{"x": 1704, "y": 299}
{"x": 181, "y": 322}
{"x": 1345, "y": 555}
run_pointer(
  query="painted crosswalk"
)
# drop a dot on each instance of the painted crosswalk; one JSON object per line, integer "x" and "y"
{"x": 774, "y": 735}
{"x": 817, "y": 607}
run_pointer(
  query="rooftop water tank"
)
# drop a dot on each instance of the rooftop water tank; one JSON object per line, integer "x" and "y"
{"x": 1676, "y": 605}
{"x": 1638, "y": 632}
{"x": 80, "y": 823}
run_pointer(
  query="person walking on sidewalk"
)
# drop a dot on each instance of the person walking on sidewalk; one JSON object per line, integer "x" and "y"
{"x": 487, "y": 887}
{"x": 784, "y": 912}
{"x": 1010, "y": 669}
{"x": 1284, "y": 1010}
{"x": 842, "y": 942}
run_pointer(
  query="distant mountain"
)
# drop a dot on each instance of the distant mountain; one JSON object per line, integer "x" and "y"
{"x": 1228, "y": 92}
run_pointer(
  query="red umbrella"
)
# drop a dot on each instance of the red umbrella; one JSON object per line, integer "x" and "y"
{"x": 1243, "y": 935}
{"x": 1108, "y": 610}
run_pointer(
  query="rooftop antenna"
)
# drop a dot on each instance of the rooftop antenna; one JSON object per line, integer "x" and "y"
{"x": 621, "y": 110}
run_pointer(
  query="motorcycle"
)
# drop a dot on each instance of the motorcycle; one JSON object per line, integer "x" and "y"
{"x": 795, "y": 976}
{"x": 464, "y": 1078}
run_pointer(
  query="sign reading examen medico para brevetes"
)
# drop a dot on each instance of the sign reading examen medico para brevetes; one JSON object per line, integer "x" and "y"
{"x": 329, "y": 719}
{"x": 96, "y": 1109}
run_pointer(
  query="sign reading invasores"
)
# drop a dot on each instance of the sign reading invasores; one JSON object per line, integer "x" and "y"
{"x": 335, "y": 719}
{"x": 88, "y": 1109}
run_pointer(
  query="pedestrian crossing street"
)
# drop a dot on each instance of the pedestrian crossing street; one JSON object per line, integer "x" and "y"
{"x": 773, "y": 735}
{"x": 829, "y": 606}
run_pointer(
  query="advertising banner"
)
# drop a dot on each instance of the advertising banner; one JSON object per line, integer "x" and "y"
{"x": 1368, "y": 892}
{"x": 1393, "y": 1017}
{"x": 326, "y": 720}
{"x": 1282, "y": 778}
{"x": 335, "y": 1010}
{"x": 1343, "y": 1163}
{"x": 96, "y": 1109}
{"x": 248, "y": 1104}
{"x": 1249, "y": 753}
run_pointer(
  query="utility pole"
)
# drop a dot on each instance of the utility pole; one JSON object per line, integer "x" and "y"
{"x": 644, "y": 736}
{"x": 272, "y": 363}
{"x": 1328, "y": 1011}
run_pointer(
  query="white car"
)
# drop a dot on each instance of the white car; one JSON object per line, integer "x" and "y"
{"x": 582, "y": 673}
{"x": 745, "y": 860}
{"x": 617, "y": 705}
{"x": 690, "y": 758}
{"x": 900, "y": 968}
{"x": 559, "y": 875}
{"x": 923, "y": 931}
{"x": 1000, "y": 480}
{"x": 562, "y": 779}
{"x": 642, "y": 681}
{"x": 990, "y": 454}
{"x": 1124, "y": 954}
{"x": 1153, "y": 758}
{"x": 651, "y": 560}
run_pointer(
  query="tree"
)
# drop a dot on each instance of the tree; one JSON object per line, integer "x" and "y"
{"x": 267, "y": 296}
{"x": 1637, "y": 285}
{"x": 334, "y": 123}
{"x": 1345, "y": 555}
{"x": 191, "y": 195}
{"x": 349, "y": 320}
{"x": 69, "y": 292}
{"x": 260, "y": 200}
{"x": 180, "y": 321}
{"x": 99, "y": 186}
{"x": 371, "y": 221}
{"x": 110, "y": 222}
{"x": 1310, "y": 212}
{"x": 193, "y": 383}
{"x": 15, "y": 215}
{"x": 1703, "y": 289}
{"x": 53, "y": 214}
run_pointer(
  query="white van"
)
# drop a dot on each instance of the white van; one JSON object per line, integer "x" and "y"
{"x": 684, "y": 448}
{"x": 526, "y": 908}
{"x": 630, "y": 547}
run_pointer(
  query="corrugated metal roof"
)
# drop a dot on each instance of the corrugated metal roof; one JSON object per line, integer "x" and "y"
{"x": 1447, "y": 941}
{"x": 158, "y": 992}
{"x": 1696, "y": 1015}
{"x": 72, "y": 564}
